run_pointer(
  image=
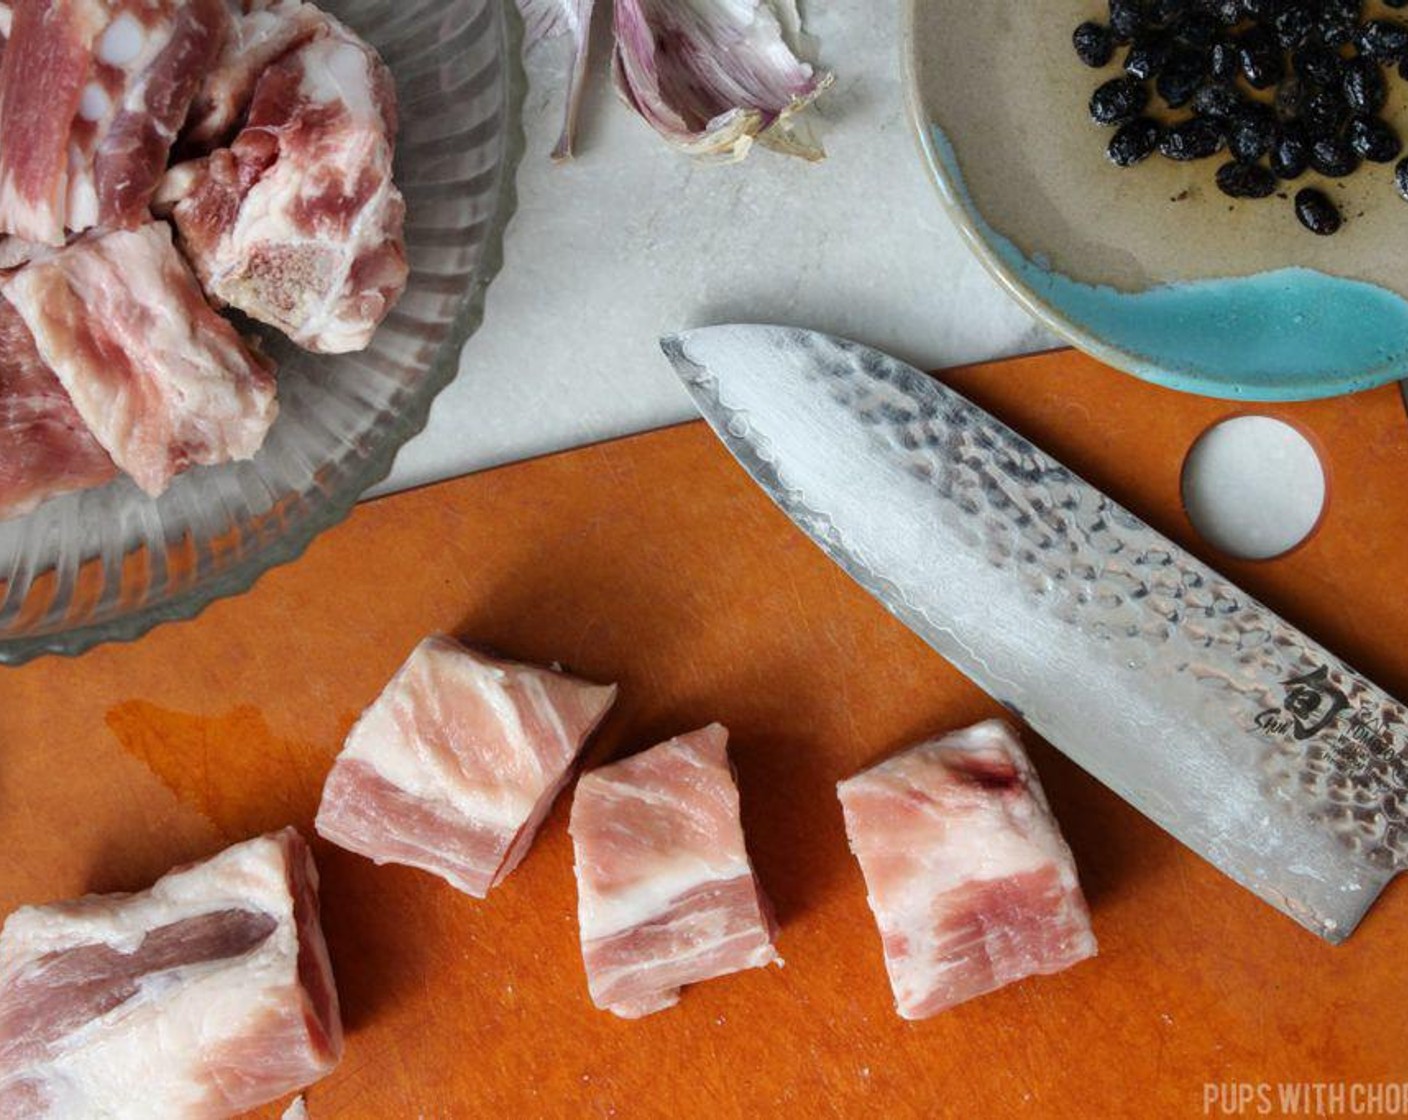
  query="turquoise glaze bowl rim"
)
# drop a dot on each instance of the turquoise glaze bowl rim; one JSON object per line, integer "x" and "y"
{"x": 972, "y": 226}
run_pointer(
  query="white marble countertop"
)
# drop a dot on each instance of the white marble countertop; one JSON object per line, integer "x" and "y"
{"x": 632, "y": 241}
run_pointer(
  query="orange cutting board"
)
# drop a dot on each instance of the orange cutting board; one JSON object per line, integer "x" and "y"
{"x": 654, "y": 562}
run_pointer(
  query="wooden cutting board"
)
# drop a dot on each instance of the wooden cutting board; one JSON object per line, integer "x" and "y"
{"x": 654, "y": 562}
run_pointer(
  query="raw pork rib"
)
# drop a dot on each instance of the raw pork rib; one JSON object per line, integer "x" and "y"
{"x": 260, "y": 32}
{"x": 971, "y": 883}
{"x": 45, "y": 449}
{"x": 209, "y": 994}
{"x": 456, "y": 764}
{"x": 92, "y": 94}
{"x": 666, "y": 895}
{"x": 160, "y": 379}
{"x": 298, "y": 223}
{"x": 16, "y": 251}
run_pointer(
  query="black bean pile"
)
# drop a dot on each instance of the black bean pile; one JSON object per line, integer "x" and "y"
{"x": 1278, "y": 87}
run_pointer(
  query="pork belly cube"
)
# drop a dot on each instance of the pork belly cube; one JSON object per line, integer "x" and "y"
{"x": 205, "y": 996}
{"x": 666, "y": 895}
{"x": 971, "y": 884}
{"x": 454, "y": 768}
{"x": 159, "y": 378}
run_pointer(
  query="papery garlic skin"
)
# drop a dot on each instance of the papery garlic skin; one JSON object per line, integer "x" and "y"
{"x": 544, "y": 19}
{"x": 713, "y": 76}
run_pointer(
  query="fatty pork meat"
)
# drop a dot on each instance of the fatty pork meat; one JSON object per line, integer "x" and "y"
{"x": 455, "y": 766}
{"x": 261, "y": 31}
{"x": 45, "y": 448}
{"x": 970, "y": 881}
{"x": 15, "y": 252}
{"x": 205, "y": 996}
{"x": 666, "y": 895}
{"x": 298, "y": 223}
{"x": 158, "y": 377}
{"x": 92, "y": 95}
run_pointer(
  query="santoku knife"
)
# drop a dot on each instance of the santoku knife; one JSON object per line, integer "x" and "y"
{"x": 1223, "y": 723}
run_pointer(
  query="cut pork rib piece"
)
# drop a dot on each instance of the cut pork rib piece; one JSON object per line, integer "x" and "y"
{"x": 298, "y": 223}
{"x": 159, "y": 378}
{"x": 148, "y": 66}
{"x": 41, "y": 82}
{"x": 92, "y": 94}
{"x": 971, "y": 883}
{"x": 261, "y": 31}
{"x": 209, "y": 994}
{"x": 45, "y": 448}
{"x": 15, "y": 252}
{"x": 456, "y": 764}
{"x": 666, "y": 895}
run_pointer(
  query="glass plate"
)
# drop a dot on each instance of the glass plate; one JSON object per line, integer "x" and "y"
{"x": 109, "y": 564}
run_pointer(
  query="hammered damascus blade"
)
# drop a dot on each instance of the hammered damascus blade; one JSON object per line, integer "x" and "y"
{"x": 1223, "y": 723}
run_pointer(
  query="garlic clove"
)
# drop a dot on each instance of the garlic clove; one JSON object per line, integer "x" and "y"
{"x": 544, "y": 19}
{"x": 713, "y": 76}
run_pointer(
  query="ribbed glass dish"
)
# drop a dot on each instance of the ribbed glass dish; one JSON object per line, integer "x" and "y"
{"x": 111, "y": 563}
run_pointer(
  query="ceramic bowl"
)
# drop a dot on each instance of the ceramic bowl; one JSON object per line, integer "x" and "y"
{"x": 1151, "y": 268}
